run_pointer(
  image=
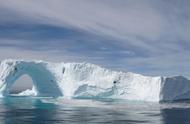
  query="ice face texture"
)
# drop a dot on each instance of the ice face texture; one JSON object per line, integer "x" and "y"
{"x": 84, "y": 80}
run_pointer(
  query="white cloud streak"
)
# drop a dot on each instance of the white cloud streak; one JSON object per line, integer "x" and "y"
{"x": 127, "y": 20}
{"x": 132, "y": 18}
{"x": 158, "y": 26}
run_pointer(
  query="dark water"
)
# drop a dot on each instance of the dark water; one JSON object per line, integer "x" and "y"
{"x": 26, "y": 110}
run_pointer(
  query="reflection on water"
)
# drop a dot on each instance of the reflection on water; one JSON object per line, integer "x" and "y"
{"x": 25, "y": 110}
{"x": 176, "y": 115}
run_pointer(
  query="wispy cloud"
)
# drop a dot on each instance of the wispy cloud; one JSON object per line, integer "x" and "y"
{"x": 149, "y": 36}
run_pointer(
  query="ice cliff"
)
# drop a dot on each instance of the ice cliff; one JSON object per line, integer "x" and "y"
{"x": 84, "y": 80}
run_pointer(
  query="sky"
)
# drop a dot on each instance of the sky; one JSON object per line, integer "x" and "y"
{"x": 149, "y": 37}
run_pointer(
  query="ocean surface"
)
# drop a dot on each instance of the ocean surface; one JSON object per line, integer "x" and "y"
{"x": 32, "y": 110}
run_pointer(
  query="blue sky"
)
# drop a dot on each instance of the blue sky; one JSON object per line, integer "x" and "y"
{"x": 147, "y": 36}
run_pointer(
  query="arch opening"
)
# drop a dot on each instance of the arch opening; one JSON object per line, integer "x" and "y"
{"x": 22, "y": 84}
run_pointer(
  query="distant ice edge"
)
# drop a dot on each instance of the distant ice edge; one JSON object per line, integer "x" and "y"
{"x": 84, "y": 80}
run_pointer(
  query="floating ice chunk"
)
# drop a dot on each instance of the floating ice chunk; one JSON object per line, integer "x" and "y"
{"x": 84, "y": 80}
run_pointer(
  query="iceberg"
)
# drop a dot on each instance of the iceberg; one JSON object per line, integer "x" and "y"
{"x": 85, "y": 80}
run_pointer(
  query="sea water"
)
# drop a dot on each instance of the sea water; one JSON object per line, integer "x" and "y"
{"x": 35, "y": 110}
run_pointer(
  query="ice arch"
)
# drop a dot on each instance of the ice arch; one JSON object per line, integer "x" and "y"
{"x": 44, "y": 81}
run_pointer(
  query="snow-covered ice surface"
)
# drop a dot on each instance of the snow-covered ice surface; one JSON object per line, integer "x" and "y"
{"x": 84, "y": 80}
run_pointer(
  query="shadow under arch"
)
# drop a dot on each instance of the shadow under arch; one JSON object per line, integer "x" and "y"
{"x": 43, "y": 80}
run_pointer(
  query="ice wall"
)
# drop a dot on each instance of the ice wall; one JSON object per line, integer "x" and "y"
{"x": 175, "y": 88}
{"x": 84, "y": 80}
